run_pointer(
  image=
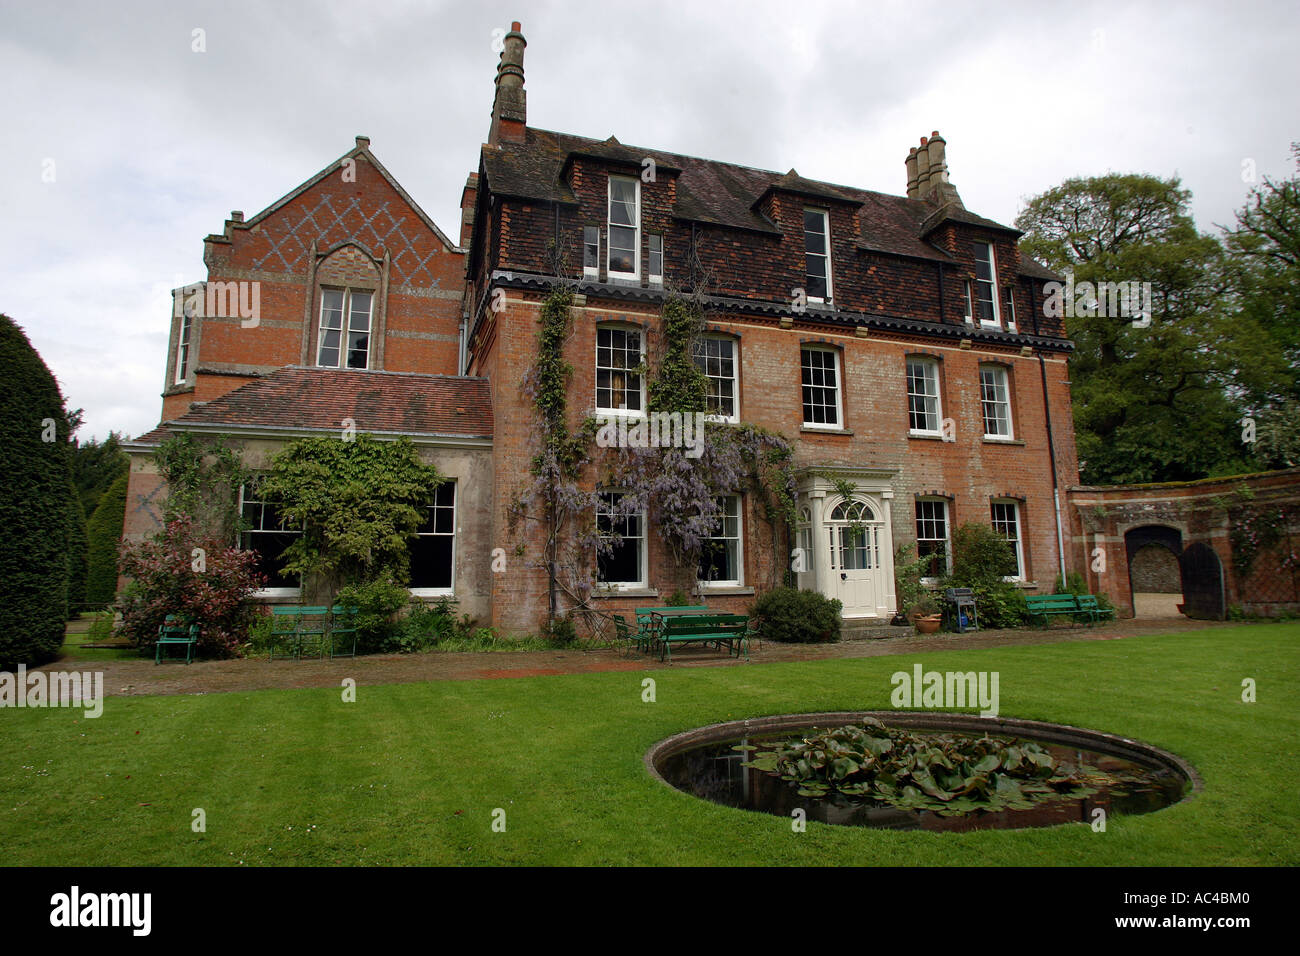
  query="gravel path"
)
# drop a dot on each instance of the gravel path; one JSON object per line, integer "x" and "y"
{"x": 143, "y": 677}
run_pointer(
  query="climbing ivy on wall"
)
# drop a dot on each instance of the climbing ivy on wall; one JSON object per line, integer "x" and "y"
{"x": 1259, "y": 529}
{"x": 677, "y": 488}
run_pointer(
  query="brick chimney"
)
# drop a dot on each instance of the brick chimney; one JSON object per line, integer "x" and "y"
{"x": 510, "y": 108}
{"x": 927, "y": 172}
{"x": 468, "y": 199}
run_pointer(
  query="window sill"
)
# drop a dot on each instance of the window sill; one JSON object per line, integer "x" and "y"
{"x": 825, "y": 430}
{"x": 629, "y": 592}
{"x": 1002, "y": 441}
{"x": 926, "y": 436}
{"x": 723, "y": 589}
{"x": 432, "y": 592}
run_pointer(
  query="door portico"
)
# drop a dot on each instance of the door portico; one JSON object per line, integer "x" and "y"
{"x": 845, "y": 541}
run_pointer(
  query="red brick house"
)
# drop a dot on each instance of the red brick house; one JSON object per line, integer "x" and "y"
{"x": 898, "y": 342}
{"x": 338, "y": 304}
{"x": 917, "y": 363}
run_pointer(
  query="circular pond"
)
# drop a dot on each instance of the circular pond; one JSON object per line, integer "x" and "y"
{"x": 1091, "y": 770}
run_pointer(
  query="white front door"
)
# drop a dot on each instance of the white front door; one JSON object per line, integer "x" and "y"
{"x": 857, "y": 573}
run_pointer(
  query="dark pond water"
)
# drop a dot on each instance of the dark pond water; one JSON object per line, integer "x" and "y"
{"x": 714, "y": 771}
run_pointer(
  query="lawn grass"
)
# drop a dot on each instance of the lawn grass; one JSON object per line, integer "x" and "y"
{"x": 411, "y": 773}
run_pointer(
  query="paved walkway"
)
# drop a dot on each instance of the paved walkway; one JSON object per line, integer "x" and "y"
{"x": 143, "y": 677}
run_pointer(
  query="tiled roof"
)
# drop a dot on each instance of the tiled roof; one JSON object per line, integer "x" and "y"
{"x": 296, "y": 398}
{"x": 725, "y": 194}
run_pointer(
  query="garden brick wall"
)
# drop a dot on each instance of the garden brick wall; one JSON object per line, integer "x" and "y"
{"x": 1214, "y": 512}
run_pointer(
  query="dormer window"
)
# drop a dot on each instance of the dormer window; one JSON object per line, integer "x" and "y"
{"x": 656, "y": 264}
{"x": 817, "y": 255}
{"x": 591, "y": 252}
{"x": 986, "y": 286}
{"x": 624, "y": 228}
{"x": 344, "y": 329}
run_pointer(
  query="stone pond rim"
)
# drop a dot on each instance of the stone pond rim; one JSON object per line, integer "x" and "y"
{"x": 1142, "y": 754}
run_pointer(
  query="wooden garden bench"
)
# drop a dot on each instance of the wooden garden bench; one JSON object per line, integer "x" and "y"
{"x": 343, "y": 624}
{"x": 717, "y": 629}
{"x": 317, "y": 629}
{"x": 645, "y": 625}
{"x": 298, "y": 628}
{"x": 1047, "y": 606}
{"x": 1087, "y": 604}
{"x": 174, "y": 631}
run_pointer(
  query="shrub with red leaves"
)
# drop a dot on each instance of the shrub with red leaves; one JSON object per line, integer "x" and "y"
{"x": 167, "y": 577}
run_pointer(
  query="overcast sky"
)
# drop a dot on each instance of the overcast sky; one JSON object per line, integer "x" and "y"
{"x": 151, "y": 144}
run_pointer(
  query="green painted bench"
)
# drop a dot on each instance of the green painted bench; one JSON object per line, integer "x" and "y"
{"x": 343, "y": 626}
{"x": 645, "y": 625}
{"x": 175, "y": 632}
{"x": 1047, "y": 606}
{"x": 717, "y": 629}
{"x": 1088, "y": 605}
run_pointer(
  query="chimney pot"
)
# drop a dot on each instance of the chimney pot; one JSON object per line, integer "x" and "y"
{"x": 514, "y": 27}
{"x": 236, "y": 215}
{"x": 363, "y": 141}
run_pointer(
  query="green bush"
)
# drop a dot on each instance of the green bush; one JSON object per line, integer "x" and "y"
{"x": 561, "y": 633}
{"x": 103, "y": 535}
{"x": 377, "y": 602}
{"x": 36, "y": 477}
{"x": 980, "y": 559}
{"x": 797, "y": 617}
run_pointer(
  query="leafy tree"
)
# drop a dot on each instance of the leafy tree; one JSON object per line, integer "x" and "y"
{"x": 1264, "y": 269}
{"x": 35, "y": 507}
{"x": 359, "y": 502}
{"x": 95, "y": 466}
{"x": 77, "y": 548}
{"x": 1151, "y": 400}
{"x": 103, "y": 534}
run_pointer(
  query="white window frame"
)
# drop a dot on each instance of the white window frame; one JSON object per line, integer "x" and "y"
{"x": 970, "y": 304}
{"x": 808, "y": 542}
{"x": 455, "y": 528}
{"x": 588, "y": 233}
{"x": 992, "y": 281}
{"x": 1020, "y": 533}
{"x": 239, "y": 545}
{"x": 738, "y": 538}
{"x": 947, "y": 533}
{"x": 183, "y": 335}
{"x": 623, "y": 412}
{"x": 635, "y": 274}
{"x": 1010, "y": 302}
{"x": 701, "y": 362}
{"x": 1001, "y": 381}
{"x": 826, "y": 235}
{"x": 653, "y": 240}
{"x": 838, "y": 424}
{"x": 642, "y": 549}
{"x": 932, "y": 377}
{"x": 346, "y": 328}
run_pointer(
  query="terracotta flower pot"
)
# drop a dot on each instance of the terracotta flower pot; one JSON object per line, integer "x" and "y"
{"x": 927, "y": 623}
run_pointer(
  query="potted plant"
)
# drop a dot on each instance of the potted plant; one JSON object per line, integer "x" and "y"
{"x": 926, "y": 615}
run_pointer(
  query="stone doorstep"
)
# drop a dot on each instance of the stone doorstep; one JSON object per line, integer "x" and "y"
{"x": 873, "y": 632}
